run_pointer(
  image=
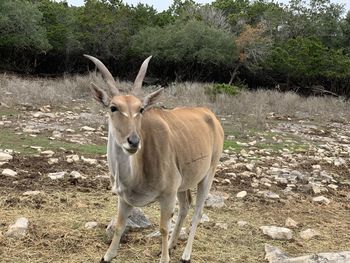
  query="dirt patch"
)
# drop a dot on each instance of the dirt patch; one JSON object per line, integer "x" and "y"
{"x": 58, "y": 214}
{"x": 33, "y": 175}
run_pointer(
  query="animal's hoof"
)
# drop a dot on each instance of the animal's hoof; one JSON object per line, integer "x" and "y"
{"x": 103, "y": 261}
{"x": 185, "y": 261}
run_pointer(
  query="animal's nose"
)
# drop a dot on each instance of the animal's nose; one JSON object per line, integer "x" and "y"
{"x": 134, "y": 140}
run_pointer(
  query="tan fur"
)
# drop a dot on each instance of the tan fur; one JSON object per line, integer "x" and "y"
{"x": 176, "y": 150}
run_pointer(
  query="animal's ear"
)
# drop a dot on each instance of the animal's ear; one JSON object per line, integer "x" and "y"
{"x": 152, "y": 98}
{"x": 100, "y": 95}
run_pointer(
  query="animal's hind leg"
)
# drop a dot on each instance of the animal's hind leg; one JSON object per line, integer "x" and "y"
{"x": 184, "y": 199}
{"x": 202, "y": 193}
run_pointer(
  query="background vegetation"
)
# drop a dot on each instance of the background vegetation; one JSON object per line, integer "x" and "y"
{"x": 302, "y": 46}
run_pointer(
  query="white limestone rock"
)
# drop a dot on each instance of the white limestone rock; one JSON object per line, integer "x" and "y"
{"x": 309, "y": 233}
{"x": 275, "y": 232}
{"x": 57, "y": 176}
{"x": 321, "y": 200}
{"x": 9, "y": 172}
{"x": 214, "y": 201}
{"x": 5, "y": 157}
{"x": 91, "y": 225}
{"x": 291, "y": 223}
{"x": 19, "y": 229}
{"x": 241, "y": 194}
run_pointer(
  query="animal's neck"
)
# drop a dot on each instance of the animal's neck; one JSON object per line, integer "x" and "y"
{"x": 127, "y": 168}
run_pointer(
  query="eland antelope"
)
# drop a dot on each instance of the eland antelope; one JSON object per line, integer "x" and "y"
{"x": 157, "y": 155}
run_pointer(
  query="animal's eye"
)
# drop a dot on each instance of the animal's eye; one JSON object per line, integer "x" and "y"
{"x": 114, "y": 108}
{"x": 142, "y": 110}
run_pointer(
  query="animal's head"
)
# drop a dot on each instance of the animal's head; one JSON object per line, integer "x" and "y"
{"x": 125, "y": 111}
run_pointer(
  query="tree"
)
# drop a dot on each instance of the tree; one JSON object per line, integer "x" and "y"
{"x": 253, "y": 46}
{"x": 188, "y": 46}
{"x": 345, "y": 27}
{"x": 60, "y": 23}
{"x": 316, "y": 18}
{"x": 21, "y": 26}
{"x": 22, "y": 35}
{"x": 305, "y": 61}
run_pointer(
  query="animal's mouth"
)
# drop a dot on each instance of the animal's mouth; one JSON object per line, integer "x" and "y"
{"x": 131, "y": 150}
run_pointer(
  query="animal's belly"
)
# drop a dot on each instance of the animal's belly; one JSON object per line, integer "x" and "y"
{"x": 193, "y": 174}
{"x": 137, "y": 198}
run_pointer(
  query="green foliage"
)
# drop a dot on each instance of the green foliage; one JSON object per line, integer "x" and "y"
{"x": 191, "y": 41}
{"x": 59, "y": 22}
{"x": 21, "y": 26}
{"x": 213, "y": 90}
{"x": 305, "y": 59}
{"x": 301, "y": 43}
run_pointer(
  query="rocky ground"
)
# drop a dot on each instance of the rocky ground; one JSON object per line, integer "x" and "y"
{"x": 287, "y": 186}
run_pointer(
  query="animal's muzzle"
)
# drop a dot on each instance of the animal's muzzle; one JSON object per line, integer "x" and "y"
{"x": 134, "y": 141}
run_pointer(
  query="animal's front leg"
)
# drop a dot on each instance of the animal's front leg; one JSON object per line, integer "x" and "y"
{"x": 124, "y": 211}
{"x": 167, "y": 206}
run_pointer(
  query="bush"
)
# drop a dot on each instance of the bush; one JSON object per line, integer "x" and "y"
{"x": 213, "y": 90}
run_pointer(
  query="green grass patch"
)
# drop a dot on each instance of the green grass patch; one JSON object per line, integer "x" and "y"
{"x": 232, "y": 145}
{"x": 22, "y": 142}
{"x": 8, "y": 111}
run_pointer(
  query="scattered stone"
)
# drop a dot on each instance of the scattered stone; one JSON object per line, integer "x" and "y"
{"x": 91, "y": 225}
{"x": 32, "y": 131}
{"x": 32, "y": 193}
{"x": 316, "y": 188}
{"x": 221, "y": 225}
{"x": 52, "y": 161}
{"x": 268, "y": 194}
{"x": 309, "y": 233}
{"x": 250, "y": 167}
{"x": 73, "y": 158}
{"x": 56, "y": 134}
{"x": 76, "y": 175}
{"x": 47, "y": 153}
{"x": 9, "y": 172}
{"x": 275, "y": 255}
{"x": 89, "y": 161}
{"x": 87, "y": 128}
{"x": 70, "y": 130}
{"x": 291, "y": 223}
{"x": 241, "y": 194}
{"x": 242, "y": 223}
{"x": 204, "y": 219}
{"x": 5, "y": 157}
{"x": 19, "y": 228}
{"x": 275, "y": 232}
{"x": 56, "y": 176}
{"x": 38, "y": 148}
{"x": 182, "y": 236}
{"x": 226, "y": 182}
{"x": 333, "y": 186}
{"x": 214, "y": 201}
{"x": 339, "y": 162}
{"x": 321, "y": 200}
{"x": 136, "y": 221}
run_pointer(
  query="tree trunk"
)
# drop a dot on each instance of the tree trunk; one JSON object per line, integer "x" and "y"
{"x": 234, "y": 74}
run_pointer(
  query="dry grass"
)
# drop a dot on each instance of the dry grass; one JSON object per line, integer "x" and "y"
{"x": 248, "y": 108}
{"x": 57, "y": 232}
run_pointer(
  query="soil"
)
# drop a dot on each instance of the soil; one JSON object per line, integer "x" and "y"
{"x": 58, "y": 214}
